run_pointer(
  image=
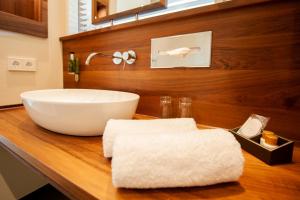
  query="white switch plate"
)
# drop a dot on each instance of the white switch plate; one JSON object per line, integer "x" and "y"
{"x": 188, "y": 50}
{"x": 21, "y": 64}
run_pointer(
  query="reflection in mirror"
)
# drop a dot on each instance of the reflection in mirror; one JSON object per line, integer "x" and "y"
{"x": 100, "y": 16}
{"x": 103, "y": 10}
{"x": 116, "y": 6}
{"x": 25, "y": 16}
{"x": 24, "y": 8}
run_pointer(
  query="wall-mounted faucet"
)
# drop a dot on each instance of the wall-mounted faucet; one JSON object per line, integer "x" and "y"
{"x": 128, "y": 56}
{"x": 116, "y": 55}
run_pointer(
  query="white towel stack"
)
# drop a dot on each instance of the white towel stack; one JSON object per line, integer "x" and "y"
{"x": 198, "y": 158}
{"x": 170, "y": 153}
{"x": 116, "y": 127}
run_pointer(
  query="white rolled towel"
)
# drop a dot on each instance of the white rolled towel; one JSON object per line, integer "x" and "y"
{"x": 115, "y": 127}
{"x": 199, "y": 158}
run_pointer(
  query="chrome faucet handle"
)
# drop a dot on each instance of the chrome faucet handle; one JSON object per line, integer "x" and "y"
{"x": 117, "y": 58}
{"x": 129, "y": 57}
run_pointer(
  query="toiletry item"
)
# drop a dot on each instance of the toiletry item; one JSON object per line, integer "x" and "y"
{"x": 253, "y": 126}
{"x": 74, "y": 66}
{"x": 198, "y": 158}
{"x": 264, "y": 134}
{"x": 185, "y": 107}
{"x": 265, "y": 144}
{"x": 166, "y": 106}
{"x": 71, "y": 63}
{"x": 116, "y": 127}
{"x": 269, "y": 140}
{"x": 76, "y": 69}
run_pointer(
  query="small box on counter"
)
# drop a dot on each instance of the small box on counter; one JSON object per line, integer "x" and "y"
{"x": 283, "y": 153}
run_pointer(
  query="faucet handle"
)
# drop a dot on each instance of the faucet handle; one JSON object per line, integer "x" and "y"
{"x": 129, "y": 57}
{"x": 117, "y": 58}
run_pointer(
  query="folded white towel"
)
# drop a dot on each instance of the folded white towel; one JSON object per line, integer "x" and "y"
{"x": 156, "y": 126}
{"x": 198, "y": 158}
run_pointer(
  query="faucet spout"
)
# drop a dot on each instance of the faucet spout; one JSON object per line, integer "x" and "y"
{"x": 91, "y": 55}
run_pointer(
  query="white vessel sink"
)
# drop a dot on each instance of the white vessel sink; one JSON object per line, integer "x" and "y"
{"x": 80, "y": 112}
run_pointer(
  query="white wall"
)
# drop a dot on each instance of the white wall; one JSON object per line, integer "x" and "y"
{"x": 112, "y": 6}
{"x": 47, "y": 51}
{"x": 72, "y": 16}
{"x": 17, "y": 180}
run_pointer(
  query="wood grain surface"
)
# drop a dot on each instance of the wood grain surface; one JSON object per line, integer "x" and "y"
{"x": 255, "y": 63}
{"x": 38, "y": 26}
{"x": 76, "y": 166}
{"x": 23, "y": 8}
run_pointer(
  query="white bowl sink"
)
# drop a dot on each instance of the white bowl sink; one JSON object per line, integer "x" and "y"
{"x": 80, "y": 112}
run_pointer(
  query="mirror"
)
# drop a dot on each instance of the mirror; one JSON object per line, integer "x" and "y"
{"x": 24, "y": 16}
{"x": 104, "y": 10}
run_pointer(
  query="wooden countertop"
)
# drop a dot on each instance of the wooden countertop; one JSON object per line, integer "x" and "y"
{"x": 76, "y": 167}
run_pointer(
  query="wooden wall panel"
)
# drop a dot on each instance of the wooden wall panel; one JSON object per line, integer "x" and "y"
{"x": 255, "y": 64}
{"x": 35, "y": 22}
{"x": 22, "y": 8}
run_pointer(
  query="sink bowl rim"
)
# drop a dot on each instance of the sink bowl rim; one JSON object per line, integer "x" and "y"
{"x": 26, "y": 96}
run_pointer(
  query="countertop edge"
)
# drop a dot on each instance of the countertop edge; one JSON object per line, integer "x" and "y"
{"x": 41, "y": 169}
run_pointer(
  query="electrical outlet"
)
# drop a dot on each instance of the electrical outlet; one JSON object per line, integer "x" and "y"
{"x": 14, "y": 63}
{"x": 21, "y": 64}
{"x": 29, "y": 64}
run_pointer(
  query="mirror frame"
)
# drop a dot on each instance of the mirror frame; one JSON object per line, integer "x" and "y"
{"x": 96, "y": 20}
{"x": 24, "y": 25}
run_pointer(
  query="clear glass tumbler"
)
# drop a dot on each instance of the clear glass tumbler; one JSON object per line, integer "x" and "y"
{"x": 185, "y": 107}
{"x": 166, "y": 106}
